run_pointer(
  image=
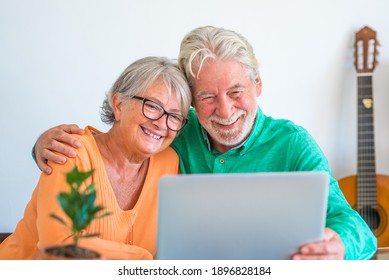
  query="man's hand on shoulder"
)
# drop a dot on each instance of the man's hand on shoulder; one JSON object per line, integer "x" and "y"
{"x": 57, "y": 139}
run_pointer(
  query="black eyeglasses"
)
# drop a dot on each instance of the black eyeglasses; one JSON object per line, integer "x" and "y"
{"x": 153, "y": 111}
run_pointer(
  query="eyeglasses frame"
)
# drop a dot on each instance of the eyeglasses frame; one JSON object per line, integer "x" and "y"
{"x": 144, "y": 100}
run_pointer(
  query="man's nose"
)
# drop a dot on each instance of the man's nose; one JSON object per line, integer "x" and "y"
{"x": 225, "y": 107}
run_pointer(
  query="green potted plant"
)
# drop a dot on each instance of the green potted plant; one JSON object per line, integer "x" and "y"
{"x": 79, "y": 206}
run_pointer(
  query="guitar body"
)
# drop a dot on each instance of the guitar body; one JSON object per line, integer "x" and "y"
{"x": 348, "y": 185}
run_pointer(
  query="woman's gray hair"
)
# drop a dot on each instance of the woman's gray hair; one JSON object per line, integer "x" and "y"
{"x": 210, "y": 42}
{"x": 139, "y": 76}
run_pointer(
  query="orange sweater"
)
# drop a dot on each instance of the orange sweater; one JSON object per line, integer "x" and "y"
{"x": 123, "y": 234}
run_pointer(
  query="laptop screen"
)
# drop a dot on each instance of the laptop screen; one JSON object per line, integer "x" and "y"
{"x": 240, "y": 216}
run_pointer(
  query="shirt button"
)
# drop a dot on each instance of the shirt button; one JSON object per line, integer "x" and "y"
{"x": 221, "y": 161}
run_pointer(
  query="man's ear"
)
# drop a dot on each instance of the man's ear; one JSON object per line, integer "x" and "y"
{"x": 258, "y": 85}
{"x": 117, "y": 105}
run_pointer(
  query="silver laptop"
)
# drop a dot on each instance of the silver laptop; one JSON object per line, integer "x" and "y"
{"x": 240, "y": 216}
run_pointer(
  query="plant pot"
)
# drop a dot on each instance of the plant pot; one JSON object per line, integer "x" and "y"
{"x": 66, "y": 252}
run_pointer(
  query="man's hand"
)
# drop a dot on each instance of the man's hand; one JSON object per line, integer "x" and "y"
{"x": 330, "y": 248}
{"x": 57, "y": 139}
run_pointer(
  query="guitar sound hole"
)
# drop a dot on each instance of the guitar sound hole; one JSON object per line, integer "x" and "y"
{"x": 371, "y": 216}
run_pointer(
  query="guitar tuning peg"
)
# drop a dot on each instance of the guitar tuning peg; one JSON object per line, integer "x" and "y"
{"x": 378, "y": 44}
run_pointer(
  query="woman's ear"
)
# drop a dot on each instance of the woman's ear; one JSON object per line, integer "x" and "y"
{"x": 117, "y": 106}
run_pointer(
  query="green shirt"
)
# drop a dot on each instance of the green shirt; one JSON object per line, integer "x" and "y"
{"x": 274, "y": 146}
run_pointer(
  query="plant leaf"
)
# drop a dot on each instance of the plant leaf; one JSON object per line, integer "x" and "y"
{"x": 79, "y": 204}
{"x": 77, "y": 177}
{"x": 90, "y": 235}
{"x": 103, "y": 215}
{"x": 58, "y": 219}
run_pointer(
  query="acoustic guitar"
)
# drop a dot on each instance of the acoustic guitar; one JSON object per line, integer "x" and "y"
{"x": 367, "y": 192}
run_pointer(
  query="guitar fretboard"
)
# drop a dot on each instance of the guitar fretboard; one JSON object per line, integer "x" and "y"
{"x": 366, "y": 169}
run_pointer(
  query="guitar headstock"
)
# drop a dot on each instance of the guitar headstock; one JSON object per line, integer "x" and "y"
{"x": 365, "y": 50}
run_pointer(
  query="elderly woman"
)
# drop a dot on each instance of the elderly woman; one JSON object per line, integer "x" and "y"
{"x": 147, "y": 106}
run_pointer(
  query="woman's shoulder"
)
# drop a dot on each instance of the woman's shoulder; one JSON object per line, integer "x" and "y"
{"x": 165, "y": 162}
{"x": 88, "y": 154}
{"x": 169, "y": 154}
{"x": 87, "y": 139}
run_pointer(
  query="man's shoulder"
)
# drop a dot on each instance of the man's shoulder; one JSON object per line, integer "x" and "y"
{"x": 284, "y": 126}
{"x": 192, "y": 117}
{"x": 191, "y": 128}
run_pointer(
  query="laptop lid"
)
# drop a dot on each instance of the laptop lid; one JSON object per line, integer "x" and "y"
{"x": 240, "y": 216}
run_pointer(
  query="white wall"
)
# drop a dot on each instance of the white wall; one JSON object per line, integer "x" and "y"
{"x": 58, "y": 58}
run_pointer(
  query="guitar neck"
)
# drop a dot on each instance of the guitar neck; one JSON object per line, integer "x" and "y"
{"x": 366, "y": 169}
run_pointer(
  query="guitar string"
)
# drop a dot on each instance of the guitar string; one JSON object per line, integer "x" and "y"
{"x": 366, "y": 145}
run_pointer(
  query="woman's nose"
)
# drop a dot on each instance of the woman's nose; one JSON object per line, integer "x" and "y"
{"x": 161, "y": 122}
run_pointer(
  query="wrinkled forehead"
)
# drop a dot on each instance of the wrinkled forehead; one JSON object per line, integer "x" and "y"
{"x": 220, "y": 67}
